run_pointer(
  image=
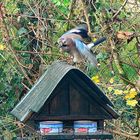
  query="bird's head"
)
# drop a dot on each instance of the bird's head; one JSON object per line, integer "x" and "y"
{"x": 66, "y": 44}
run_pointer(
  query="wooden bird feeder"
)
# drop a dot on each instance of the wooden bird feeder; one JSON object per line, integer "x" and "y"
{"x": 66, "y": 98}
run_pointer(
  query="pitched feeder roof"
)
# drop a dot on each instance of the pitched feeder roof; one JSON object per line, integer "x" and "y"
{"x": 40, "y": 92}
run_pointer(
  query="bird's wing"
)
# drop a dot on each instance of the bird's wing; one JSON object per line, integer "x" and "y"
{"x": 71, "y": 35}
{"x": 73, "y": 31}
{"x": 82, "y": 48}
{"x": 82, "y": 33}
{"x": 80, "y": 30}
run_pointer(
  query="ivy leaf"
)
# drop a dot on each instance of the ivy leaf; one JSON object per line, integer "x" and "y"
{"x": 22, "y": 31}
{"x": 7, "y": 135}
{"x": 102, "y": 56}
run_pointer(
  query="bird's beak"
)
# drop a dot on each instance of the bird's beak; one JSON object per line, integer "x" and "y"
{"x": 60, "y": 44}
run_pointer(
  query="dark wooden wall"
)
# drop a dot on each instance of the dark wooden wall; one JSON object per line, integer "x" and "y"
{"x": 69, "y": 101}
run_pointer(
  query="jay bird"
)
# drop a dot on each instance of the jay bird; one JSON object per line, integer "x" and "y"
{"x": 72, "y": 43}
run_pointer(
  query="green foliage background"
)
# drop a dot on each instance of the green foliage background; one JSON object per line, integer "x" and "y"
{"x": 30, "y": 30}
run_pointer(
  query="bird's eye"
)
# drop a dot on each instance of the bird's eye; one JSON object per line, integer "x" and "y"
{"x": 64, "y": 42}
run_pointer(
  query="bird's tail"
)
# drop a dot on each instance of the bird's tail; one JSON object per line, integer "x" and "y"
{"x": 91, "y": 57}
{"x": 89, "y": 46}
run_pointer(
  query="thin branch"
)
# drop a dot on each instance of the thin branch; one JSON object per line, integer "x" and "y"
{"x": 117, "y": 63}
{"x": 12, "y": 66}
{"x": 126, "y": 123}
{"x": 43, "y": 18}
{"x": 127, "y": 135}
{"x": 71, "y": 11}
{"x": 115, "y": 56}
{"x": 40, "y": 20}
{"x": 42, "y": 60}
{"x": 126, "y": 80}
{"x": 44, "y": 53}
{"x": 25, "y": 86}
{"x": 125, "y": 2}
{"x": 10, "y": 46}
{"x": 57, "y": 10}
{"x": 96, "y": 14}
{"x": 132, "y": 65}
{"x": 86, "y": 16}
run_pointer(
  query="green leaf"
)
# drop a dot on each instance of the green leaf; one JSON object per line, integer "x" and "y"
{"x": 7, "y": 135}
{"x": 22, "y": 31}
{"x": 102, "y": 56}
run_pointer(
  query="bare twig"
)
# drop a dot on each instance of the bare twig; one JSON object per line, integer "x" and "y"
{"x": 57, "y": 10}
{"x": 127, "y": 135}
{"x": 132, "y": 65}
{"x": 117, "y": 63}
{"x": 116, "y": 59}
{"x": 43, "y": 18}
{"x": 86, "y": 16}
{"x": 126, "y": 80}
{"x": 126, "y": 123}
{"x": 71, "y": 11}
{"x": 35, "y": 52}
{"x": 114, "y": 16}
{"x": 25, "y": 86}
{"x": 10, "y": 46}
